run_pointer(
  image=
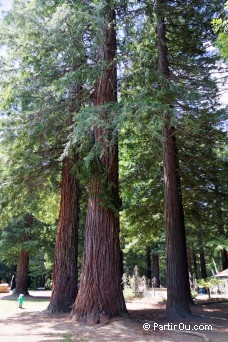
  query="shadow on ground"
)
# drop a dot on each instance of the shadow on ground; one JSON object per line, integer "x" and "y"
{"x": 40, "y": 326}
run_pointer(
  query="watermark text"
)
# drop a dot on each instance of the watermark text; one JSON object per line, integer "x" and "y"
{"x": 179, "y": 326}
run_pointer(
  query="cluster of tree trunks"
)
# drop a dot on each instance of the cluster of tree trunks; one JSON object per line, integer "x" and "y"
{"x": 100, "y": 296}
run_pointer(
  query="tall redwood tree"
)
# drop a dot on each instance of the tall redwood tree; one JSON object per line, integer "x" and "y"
{"x": 64, "y": 288}
{"x": 100, "y": 296}
{"x": 178, "y": 287}
{"x": 23, "y": 266}
{"x": 22, "y": 278}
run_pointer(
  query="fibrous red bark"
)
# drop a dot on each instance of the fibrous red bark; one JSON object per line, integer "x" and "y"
{"x": 100, "y": 295}
{"x": 22, "y": 278}
{"x": 178, "y": 287}
{"x": 64, "y": 289}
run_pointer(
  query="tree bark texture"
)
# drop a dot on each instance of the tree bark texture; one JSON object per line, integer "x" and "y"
{"x": 22, "y": 278}
{"x": 178, "y": 288}
{"x": 23, "y": 266}
{"x": 64, "y": 288}
{"x": 100, "y": 295}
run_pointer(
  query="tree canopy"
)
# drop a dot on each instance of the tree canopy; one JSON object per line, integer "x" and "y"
{"x": 92, "y": 86}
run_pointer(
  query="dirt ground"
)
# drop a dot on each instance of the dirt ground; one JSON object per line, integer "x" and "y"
{"x": 32, "y": 324}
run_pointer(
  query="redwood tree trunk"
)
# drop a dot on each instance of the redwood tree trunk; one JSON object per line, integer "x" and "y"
{"x": 195, "y": 264}
{"x": 23, "y": 266}
{"x": 156, "y": 269}
{"x": 64, "y": 288}
{"x": 203, "y": 264}
{"x": 178, "y": 288}
{"x": 202, "y": 255}
{"x": 100, "y": 295}
{"x": 148, "y": 265}
{"x": 22, "y": 278}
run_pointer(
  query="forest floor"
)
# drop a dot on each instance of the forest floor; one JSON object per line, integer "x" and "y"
{"x": 33, "y": 324}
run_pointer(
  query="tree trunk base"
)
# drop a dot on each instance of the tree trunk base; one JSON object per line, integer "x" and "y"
{"x": 177, "y": 311}
{"x": 96, "y": 317}
{"x": 58, "y": 308}
{"x": 25, "y": 293}
{"x": 96, "y": 309}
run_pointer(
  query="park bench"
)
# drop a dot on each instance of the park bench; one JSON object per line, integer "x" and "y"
{"x": 4, "y": 288}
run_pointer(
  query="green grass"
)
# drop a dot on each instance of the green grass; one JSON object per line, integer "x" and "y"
{"x": 10, "y": 306}
{"x": 128, "y": 294}
{"x": 68, "y": 338}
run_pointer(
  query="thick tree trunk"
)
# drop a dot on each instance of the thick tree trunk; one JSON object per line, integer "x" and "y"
{"x": 100, "y": 296}
{"x": 148, "y": 265}
{"x": 64, "y": 289}
{"x": 22, "y": 278}
{"x": 178, "y": 288}
{"x": 156, "y": 269}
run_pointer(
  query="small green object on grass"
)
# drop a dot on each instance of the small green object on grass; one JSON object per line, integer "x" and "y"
{"x": 20, "y": 301}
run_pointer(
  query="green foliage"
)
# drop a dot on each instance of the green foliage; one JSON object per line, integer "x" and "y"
{"x": 38, "y": 241}
{"x": 128, "y": 295}
{"x": 217, "y": 245}
{"x": 49, "y": 50}
{"x": 209, "y": 282}
{"x": 220, "y": 26}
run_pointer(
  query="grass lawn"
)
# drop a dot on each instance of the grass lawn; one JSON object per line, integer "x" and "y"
{"x": 10, "y": 306}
